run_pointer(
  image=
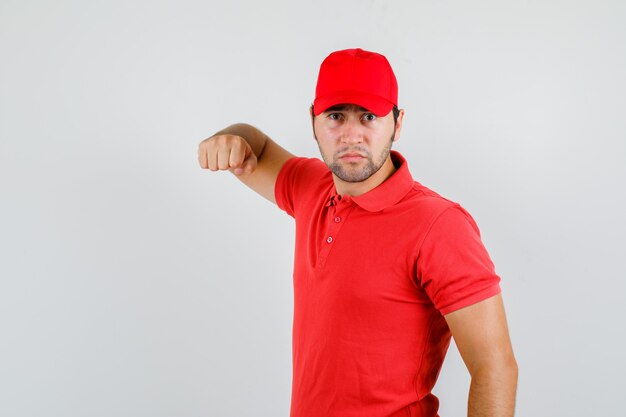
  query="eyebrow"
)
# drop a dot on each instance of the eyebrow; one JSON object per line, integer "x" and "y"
{"x": 346, "y": 107}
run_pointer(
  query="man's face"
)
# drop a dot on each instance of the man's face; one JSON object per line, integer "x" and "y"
{"x": 354, "y": 143}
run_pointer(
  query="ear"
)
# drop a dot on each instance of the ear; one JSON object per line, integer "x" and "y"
{"x": 312, "y": 122}
{"x": 398, "y": 125}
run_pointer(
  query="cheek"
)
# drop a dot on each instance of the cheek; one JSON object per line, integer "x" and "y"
{"x": 325, "y": 134}
{"x": 327, "y": 147}
{"x": 324, "y": 145}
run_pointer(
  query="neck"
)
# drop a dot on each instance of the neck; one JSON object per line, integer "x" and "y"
{"x": 355, "y": 189}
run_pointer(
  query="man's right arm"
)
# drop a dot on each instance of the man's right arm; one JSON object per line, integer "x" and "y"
{"x": 246, "y": 152}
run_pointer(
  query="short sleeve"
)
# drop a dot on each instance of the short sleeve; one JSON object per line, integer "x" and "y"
{"x": 297, "y": 177}
{"x": 453, "y": 265}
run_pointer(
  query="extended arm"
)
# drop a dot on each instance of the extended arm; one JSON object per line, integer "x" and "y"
{"x": 480, "y": 332}
{"x": 248, "y": 153}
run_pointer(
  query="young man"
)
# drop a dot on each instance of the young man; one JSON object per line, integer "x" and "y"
{"x": 386, "y": 270}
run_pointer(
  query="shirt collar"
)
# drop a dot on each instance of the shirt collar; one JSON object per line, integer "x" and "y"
{"x": 390, "y": 192}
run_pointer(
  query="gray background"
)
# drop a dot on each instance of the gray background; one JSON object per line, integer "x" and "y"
{"x": 134, "y": 283}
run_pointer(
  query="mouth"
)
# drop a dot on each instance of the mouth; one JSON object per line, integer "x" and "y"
{"x": 352, "y": 157}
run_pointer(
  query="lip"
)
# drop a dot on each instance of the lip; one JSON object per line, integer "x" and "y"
{"x": 351, "y": 156}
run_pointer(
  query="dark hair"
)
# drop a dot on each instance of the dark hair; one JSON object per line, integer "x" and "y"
{"x": 396, "y": 113}
{"x": 395, "y": 110}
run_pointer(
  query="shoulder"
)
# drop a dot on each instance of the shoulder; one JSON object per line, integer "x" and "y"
{"x": 299, "y": 181}
{"x": 425, "y": 204}
{"x": 415, "y": 195}
{"x": 304, "y": 165}
{"x": 432, "y": 216}
{"x": 301, "y": 170}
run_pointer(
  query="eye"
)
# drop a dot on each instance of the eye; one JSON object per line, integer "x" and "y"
{"x": 370, "y": 117}
{"x": 334, "y": 116}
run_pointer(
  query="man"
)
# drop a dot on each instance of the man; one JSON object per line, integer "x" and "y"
{"x": 385, "y": 270}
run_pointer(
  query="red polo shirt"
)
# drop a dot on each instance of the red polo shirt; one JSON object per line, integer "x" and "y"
{"x": 373, "y": 277}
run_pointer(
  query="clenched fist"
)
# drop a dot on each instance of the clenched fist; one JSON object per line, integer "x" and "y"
{"x": 227, "y": 152}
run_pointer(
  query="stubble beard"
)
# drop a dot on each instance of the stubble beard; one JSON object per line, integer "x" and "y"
{"x": 355, "y": 174}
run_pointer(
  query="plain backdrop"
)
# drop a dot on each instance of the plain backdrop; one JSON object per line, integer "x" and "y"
{"x": 135, "y": 284}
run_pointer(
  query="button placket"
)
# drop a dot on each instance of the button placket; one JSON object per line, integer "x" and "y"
{"x": 336, "y": 217}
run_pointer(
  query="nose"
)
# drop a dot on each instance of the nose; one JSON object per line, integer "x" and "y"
{"x": 352, "y": 132}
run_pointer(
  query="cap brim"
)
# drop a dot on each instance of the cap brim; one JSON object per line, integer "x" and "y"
{"x": 376, "y": 104}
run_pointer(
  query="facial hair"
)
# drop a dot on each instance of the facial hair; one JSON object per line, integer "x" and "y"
{"x": 353, "y": 175}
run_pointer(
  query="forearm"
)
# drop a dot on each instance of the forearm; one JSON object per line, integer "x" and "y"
{"x": 255, "y": 138}
{"x": 492, "y": 391}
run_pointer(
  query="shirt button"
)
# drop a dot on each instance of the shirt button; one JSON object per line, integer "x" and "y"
{"x": 337, "y": 219}
{"x": 329, "y": 239}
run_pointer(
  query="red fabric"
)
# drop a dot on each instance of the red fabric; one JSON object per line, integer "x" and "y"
{"x": 373, "y": 277}
{"x": 359, "y": 77}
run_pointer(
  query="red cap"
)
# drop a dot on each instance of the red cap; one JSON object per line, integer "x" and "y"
{"x": 356, "y": 76}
